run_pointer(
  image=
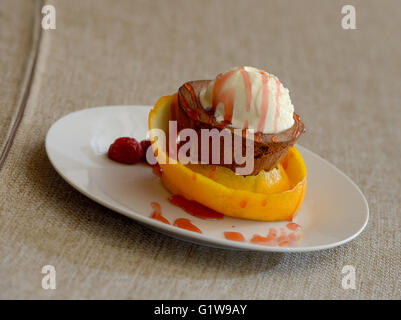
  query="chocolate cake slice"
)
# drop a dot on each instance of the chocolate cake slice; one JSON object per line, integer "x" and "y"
{"x": 269, "y": 149}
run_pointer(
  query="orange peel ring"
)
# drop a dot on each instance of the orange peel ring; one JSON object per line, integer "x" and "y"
{"x": 252, "y": 197}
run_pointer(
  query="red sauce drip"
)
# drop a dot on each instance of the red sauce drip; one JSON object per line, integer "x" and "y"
{"x": 218, "y": 88}
{"x": 284, "y": 243}
{"x": 248, "y": 87}
{"x": 296, "y": 118}
{"x": 186, "y": 224}
{"x": 283, "y": 235}
{"x": 243, "y": 203}
{"x": 264, "y": 202}
{"x": 156, "y": 214}
{"x": 274, "y": 139}
{"x": 265, "y": 102}
{"x": 277, "y": 106}
{"x": 260, "y": 239}
{"x": 234, "y": 236}
{"x": 257, "y": 137}
{"x": 195, "y": 208}
{"x": 272, "y": 233}
{"x": 227, "y": 97}
{"x": 293, "y": 226}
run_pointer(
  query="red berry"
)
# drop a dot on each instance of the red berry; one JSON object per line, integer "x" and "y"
{"x": 145, "y": 144}
{"x": 126, "y": 150}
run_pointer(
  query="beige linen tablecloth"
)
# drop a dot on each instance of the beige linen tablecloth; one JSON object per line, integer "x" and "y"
{"x": 345, "y": 83}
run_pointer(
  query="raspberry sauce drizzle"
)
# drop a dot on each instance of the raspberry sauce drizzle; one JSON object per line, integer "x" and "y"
{"x": 248, "y": 87}
{"x": 195, "y": 208}
{"x": 258, "y": 239}
{"x": 218, "y": 88}
{"x": 265, "y": 102}
{"x": 293, "y": 226}
{"x": 276, "y": 116}
{"x": 157, "y": 214}
{"x": 234, "y": 236}
{"x": 227, "y": 98}
{"x": 186, "y": 224}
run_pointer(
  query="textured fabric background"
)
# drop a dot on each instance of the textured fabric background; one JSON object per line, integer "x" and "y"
{"x": 345, "y": 83}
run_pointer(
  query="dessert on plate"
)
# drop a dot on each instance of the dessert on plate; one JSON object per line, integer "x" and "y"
{"x": 251, "y": 115}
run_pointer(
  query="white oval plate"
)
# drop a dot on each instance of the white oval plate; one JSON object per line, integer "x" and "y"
{"x": 334, "y": 210}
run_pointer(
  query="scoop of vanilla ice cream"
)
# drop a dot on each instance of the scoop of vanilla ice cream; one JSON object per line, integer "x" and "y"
{"x": 249, "y": 98}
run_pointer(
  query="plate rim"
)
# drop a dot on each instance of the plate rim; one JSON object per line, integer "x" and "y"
{"x": 194, "y": 237}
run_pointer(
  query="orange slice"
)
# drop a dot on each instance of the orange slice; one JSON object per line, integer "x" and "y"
{"x": 268, "y": 196}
